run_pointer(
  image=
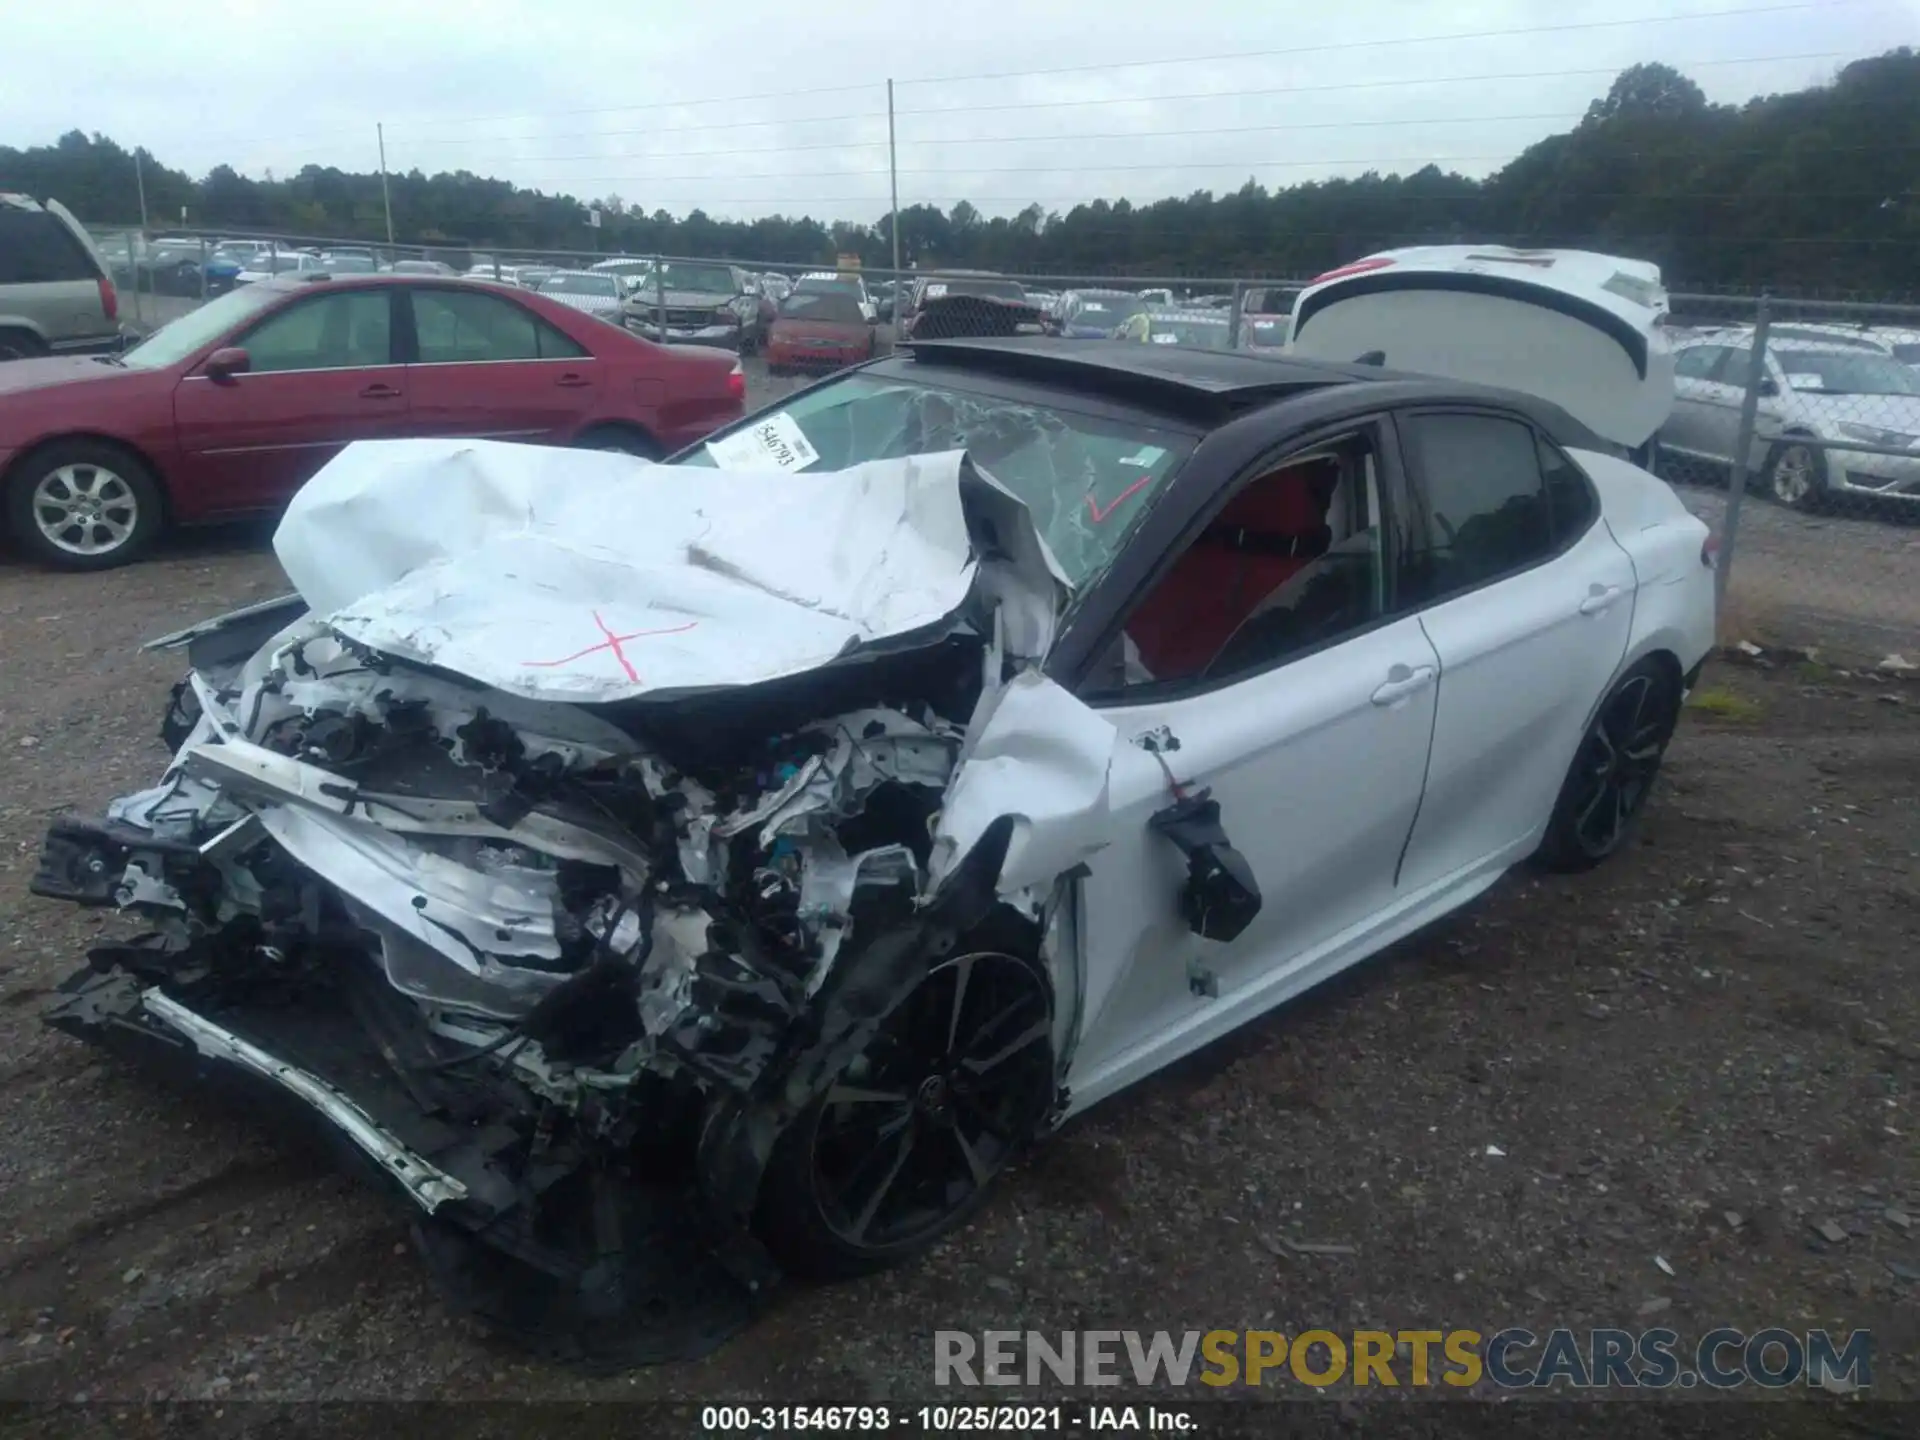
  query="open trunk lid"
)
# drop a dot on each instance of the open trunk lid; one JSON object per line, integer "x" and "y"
{"x": 1577, "y": 328}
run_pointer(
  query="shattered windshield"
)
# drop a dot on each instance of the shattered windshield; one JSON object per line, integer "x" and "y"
{"x": 1086, "y": 478}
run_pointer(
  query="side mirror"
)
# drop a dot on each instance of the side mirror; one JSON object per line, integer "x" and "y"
{"x": 1221, "y": 896}
{"x": 228, "y": 361}
{"x": 1769, "y": 387}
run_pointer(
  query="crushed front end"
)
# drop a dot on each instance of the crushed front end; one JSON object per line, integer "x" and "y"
{"x": 560, "y": 949}
{"x": 513, "y": 956}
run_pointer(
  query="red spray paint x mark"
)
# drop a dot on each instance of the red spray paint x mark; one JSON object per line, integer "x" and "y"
{"x": 613, "y": 642}
{"x": 1099, "y": 515}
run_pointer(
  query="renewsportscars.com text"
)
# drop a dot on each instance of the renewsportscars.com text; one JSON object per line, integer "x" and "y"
{"x": 1514, "y": 1358}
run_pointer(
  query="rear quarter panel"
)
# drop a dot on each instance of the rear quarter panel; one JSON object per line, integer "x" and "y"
{"x": 1674, "y": 601}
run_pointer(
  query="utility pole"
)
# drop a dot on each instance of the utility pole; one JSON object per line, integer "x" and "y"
{"x": 140, "y": 183}
{"x": 893, "y": 184}
{"x": 386, "y": 200}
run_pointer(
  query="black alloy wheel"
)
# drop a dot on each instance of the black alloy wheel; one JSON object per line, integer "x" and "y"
{"x": 906, "y": 1142}
{"x": 1614, "y": 770}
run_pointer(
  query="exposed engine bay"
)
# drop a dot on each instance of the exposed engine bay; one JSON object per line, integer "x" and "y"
{"x": 562, "y": 971}
{"x": 632, "y": 867}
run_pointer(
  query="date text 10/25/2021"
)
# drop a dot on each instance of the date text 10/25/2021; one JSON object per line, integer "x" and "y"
{"x": 945, "y": 1419}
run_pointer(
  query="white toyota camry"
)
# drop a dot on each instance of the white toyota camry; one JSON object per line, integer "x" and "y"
{"x": 666, "y": 876}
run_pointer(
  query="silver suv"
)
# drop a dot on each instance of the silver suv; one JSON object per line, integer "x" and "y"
{"x": 1820, "y": 384}
{"x": 56, "y": 297}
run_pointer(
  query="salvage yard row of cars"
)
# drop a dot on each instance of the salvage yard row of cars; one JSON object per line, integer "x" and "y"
{"x": 663, "y": 877}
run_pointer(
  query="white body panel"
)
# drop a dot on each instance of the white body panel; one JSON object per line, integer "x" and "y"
{"x": 1363, "y": 823}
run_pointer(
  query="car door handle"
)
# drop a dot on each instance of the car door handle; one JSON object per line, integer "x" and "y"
{"x": 377, "y": 391}
{"x": 1402, "y": 681}
{"x": 571, "y": 381}
{"x": 1600, "y": 598}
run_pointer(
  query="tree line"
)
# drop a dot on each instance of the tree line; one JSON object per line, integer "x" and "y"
{"x": 1817, "y": 189}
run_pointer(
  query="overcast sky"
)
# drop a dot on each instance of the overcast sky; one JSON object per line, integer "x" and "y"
{"x": 680, "y": 105}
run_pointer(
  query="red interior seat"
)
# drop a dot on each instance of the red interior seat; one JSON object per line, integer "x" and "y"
{"x": 1266, "y": 534}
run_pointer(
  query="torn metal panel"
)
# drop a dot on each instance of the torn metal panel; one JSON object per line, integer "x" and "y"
{"x": 551, "y": 929}
{"x": 429, "y": 1186}
{"x": 1040, "y": 757}
{"x": 608, "y": 586}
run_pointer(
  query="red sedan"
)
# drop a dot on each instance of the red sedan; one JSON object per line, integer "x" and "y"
{"x": 818, "y": 329}
{"x": 231, "y": 407}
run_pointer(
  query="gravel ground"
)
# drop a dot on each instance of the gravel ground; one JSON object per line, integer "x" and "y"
{"x": 1721, "y": 1020}
{"x": 1845, "y": 584}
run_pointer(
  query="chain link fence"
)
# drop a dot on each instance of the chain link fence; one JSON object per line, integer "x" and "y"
{"x": 1795, "y": 430}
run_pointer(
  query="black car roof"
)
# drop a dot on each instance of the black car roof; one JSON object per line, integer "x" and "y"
{"x": 1214, "y": 385}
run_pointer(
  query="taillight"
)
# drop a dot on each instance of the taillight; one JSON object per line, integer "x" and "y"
{"x": 1358, "y": 267}
{"x": 1710, "y": 550}
{"x": 736, "y": 382}
{"x": 109, "y": 301}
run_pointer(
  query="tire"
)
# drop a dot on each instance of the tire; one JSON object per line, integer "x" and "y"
{"x": 1613, "y": 771}
{"x": 910, "y": 1162}
{"x": 1796, "y": 475}
{"x": 625, "y": 440}
{"x": 124, "y": 503}
{"x": 20, "y": 345}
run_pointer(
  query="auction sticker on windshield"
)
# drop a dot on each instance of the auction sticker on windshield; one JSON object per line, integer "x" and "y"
{"x": 774, "y": 442}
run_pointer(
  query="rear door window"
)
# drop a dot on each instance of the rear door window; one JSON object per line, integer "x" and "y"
{"x": 1485, "y": 498}
{"x": 36, "y": 249}
{"x": 456, "y": 327}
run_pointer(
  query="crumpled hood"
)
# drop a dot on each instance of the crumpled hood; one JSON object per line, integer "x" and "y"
{"x": 592, "y": 577}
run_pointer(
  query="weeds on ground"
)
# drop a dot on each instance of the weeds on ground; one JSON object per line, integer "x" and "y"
{"x": 1723, "y": 704}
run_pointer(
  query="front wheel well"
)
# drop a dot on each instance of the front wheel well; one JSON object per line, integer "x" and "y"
{"x": 89, "y": 437}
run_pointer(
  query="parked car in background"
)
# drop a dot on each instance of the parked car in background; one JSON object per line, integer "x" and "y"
{"x": 629, "y": 271}
{"x": 422, "y": 267}
{"x": 1160, "y": 298}
{"x": 171, "y": 265}
{"x": 1043, "y": 300}
{"x": 499, "y": 274}
{"x": 944, "y": 285}
{"x": 352, "y": 254}
{"x": 818, "y": 329}
{"x": 776, "y": 287}
{"x": 848, "y": 284}
{"x": 532, "y": 277}
{"x": 57, "y": 296}
{"x": 1095, "y": 314}
{"x": 232, "y": 406}
{"x": 280, "y": 262}
{"x": 1815, "y": 389}
{"x": 700, "y": 303}
{"x": 349, "y": 262}
{"x": 590, "y": 294}
{"x": 1265, "y": 313}
{"x": 1203, "y": 329}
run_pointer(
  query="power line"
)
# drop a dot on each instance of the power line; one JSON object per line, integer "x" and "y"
{"x": 878, "y": 115}
{"x": 1383, "y": 42}
{"x": 1060, "y": 139}
{"x": 1330, "y": 47}
{"x": 1350, "y": 85}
